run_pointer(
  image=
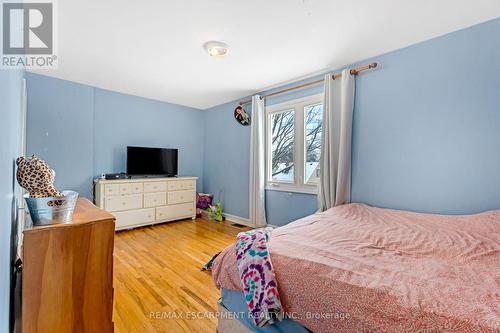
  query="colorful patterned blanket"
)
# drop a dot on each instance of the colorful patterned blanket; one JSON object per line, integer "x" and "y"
{"x": 257, "y": 276}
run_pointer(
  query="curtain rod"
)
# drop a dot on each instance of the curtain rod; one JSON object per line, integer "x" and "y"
{"x": 354, "y": 71}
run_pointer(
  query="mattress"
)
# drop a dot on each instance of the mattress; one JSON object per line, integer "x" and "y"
{"x": 234, "y": 301}
{"x": 359, "y": 268}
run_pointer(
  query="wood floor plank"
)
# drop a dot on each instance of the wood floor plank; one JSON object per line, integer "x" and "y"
{"x": 159, "y": 286}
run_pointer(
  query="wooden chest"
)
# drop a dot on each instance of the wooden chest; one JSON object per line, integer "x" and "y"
{"x": 67, "y": 279}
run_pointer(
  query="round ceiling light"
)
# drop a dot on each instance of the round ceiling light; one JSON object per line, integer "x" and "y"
{"x": 216, "y": 49}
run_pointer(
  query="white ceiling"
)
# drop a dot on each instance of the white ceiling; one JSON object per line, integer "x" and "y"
{"x": 155, "y": 49}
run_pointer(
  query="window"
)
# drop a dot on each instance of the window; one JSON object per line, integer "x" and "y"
{"x": 294, "y": 144}
{"x": 313, "y": 121}
{"x": 283, "y": 146}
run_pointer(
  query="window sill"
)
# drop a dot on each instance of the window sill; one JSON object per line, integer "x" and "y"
{"x": 308, "y": 189}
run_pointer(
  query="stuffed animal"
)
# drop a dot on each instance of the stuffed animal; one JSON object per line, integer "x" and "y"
{"x": 36, "y": 177}
{"x": 215, "y": 212}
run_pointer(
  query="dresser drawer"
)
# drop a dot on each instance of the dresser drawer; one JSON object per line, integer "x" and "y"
{"x": 155, "y": 187}
{"x": 155, "y": 199}
{"x": 175, "y": 211}
{"x": 123, "y": 202}
{"x": 125, "y": 189}
{"x": 134, "y": 217}
{"x": 111, "y": 189}
{"x": 177, "y": 197}
{"x": 176, "y": 185}
{"x": 136, "y": 187}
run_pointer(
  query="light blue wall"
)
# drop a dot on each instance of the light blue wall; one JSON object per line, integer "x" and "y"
{"x": 10, "y": 112}
{"x": 59, "y": 130}
{"x": 426, "y": 133}
{"x": 122, "y": 120}
{"x": 83, "y": 131}
{"x": 227, "y": 157}
{"x": 284, "y": 207}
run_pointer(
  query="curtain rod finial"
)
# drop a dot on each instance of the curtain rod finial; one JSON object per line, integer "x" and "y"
{"x": 373, "y": 65}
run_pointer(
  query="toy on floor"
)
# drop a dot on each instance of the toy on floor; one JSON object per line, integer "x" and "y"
{"x": 215, "y": 212}
{"x": 203, "y": 201}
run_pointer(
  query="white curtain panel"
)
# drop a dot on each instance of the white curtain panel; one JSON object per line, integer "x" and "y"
{"x": 257, "y": 163}
{"x": 335, "y": 163}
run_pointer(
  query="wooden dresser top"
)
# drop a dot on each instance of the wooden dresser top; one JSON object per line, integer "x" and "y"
{"x": 85, "y": 212}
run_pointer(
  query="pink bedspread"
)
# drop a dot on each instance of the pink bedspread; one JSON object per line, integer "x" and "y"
{"x": 357, "y": 268}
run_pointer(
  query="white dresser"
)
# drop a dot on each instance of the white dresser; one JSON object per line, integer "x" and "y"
{"x": 145, "y": 201}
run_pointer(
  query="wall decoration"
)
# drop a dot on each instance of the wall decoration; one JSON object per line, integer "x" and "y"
{"x": 241, "y": 116}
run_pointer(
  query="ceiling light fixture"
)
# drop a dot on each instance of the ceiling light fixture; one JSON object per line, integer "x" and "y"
{"x": 216, "y": 49}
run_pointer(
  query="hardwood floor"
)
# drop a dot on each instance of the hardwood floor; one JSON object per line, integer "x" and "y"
{"x": 157, "y": 279}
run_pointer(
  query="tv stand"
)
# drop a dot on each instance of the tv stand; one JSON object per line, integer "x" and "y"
{"x": 147, "y": 200}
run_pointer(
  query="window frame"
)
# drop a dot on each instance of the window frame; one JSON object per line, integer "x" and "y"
{"x": 298, "y": 185}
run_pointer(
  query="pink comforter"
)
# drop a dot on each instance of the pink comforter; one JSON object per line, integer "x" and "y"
{"x": 357, "y": 268}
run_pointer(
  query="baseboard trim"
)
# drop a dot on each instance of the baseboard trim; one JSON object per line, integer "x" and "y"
{"x": 238, "y": 219}
{"x": 244, "y": 221}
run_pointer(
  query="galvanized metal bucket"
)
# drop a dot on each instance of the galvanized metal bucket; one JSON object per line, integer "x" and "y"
{"x": 52, "y": 210}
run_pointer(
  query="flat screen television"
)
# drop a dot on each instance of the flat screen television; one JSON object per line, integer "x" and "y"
{"x": 144, "y": 161}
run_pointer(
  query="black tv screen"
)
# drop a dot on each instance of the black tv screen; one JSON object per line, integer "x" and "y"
{"x": 151, "y": 161}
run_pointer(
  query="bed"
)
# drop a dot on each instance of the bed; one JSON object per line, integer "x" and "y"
{"x": 359, "y": 268}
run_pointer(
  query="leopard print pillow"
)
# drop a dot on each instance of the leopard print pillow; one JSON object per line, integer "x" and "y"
{"x": 35, "y": 175}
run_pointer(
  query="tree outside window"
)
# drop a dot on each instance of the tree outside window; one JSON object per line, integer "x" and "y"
{"x": 294, "y": 144}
